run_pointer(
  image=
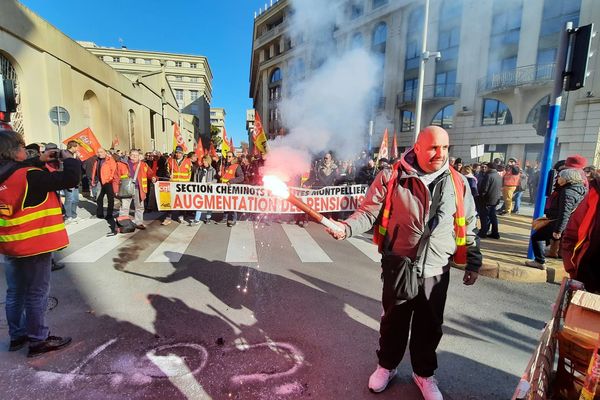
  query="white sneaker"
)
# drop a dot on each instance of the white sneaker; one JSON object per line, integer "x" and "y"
{"x": 379, "y": 379}
{"x": 428, "y": 387}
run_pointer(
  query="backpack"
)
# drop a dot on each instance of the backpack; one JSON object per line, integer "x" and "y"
{"x": 125, "y": 225}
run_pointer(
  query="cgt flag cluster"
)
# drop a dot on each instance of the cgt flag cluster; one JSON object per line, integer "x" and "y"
{"x": 259, "y": 137}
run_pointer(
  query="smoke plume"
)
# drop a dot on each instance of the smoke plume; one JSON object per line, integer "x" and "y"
{"x": 329, "y": 108}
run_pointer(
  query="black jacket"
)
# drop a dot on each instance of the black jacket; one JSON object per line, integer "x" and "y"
{"x": 41, "y": 182}
{"x": 490, "y": 188}
{"x": 563, "y": 203}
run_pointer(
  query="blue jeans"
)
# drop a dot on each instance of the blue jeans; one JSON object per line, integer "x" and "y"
{"x": 198, "y": 215}
{"x": 71, "y": 201}
{"x": 28, "y": 287}
{"x": 488, "y": 218}
{"x": 517, "y": 201}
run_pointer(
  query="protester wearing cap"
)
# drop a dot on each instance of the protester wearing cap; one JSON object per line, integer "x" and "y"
{"x": 180, "y": 170}
{"x": 578, "y": 162}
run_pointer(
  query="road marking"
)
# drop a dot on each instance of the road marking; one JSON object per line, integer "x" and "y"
{"x": 174, "y": 246}
{"x": 73, "y": 228}
{"x": 368, "y": 249}
{"x": 91, "y": 356}
{"x": 305, "y": 246}
{"x": 242, "y": 244}
{"x": 98, "y": 248}
{"x": 287, "y": 350}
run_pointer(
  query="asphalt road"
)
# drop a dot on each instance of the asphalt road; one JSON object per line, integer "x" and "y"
{"x": 254, "y": 312}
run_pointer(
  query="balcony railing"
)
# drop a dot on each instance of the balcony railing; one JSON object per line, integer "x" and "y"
{"x": 271, "y": 33}
{"x": 430, "y": 92}
{"x": 531, "y": 74}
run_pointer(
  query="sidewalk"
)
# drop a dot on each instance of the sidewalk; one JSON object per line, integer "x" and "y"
{"x": 504, "y": 258}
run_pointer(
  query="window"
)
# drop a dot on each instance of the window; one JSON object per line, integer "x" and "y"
{"x": 132, "y": 60}
{"x": 193, "y": 79}
{"x": 275, "y": 76}
{"x": 413, "y": 39}
{"x": 495, "y": 112}
{"x": 444, "y": 117}
{"x": 178, "y": 64}
{"x": 506, "y": 23}
{"x": 193, "y": 65}
{"x": 379, "y": 38}
{"x": 445, "y": 84}
{"x": 356, "y": 11}
{"x": 179, "y": 78}
{"x": 147, "y": 61}
{"x": 275, "y": 93}
{"x": 357, "y": 41}
{"x": 448, "y": 42}
{"x": 533, "y": 115}
{"x": 117, "y": 59}
{"x": 407, "y": 123}
{"x": 412, "y": 55}
{"x": 558, "y": 12}
{"x": 410, "y": 90}
{"x": 179, "y": 94}
{"x": 379, "y": 3}
{"x": 194, "y": 94}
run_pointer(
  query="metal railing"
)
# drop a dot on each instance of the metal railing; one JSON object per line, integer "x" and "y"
{"x": 531, "y": 74}
{"x": 439, "y": 91}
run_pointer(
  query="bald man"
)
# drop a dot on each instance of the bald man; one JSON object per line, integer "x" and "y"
{"x": 425, "y": 196}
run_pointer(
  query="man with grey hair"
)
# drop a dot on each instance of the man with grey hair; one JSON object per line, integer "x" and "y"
{"x": 426, "y": 221}
{"x": 31, "y": 228}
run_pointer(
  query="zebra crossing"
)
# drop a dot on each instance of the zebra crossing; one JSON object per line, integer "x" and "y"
{"x": 90, "y": 244}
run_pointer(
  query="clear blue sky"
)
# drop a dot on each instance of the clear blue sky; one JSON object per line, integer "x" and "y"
{"x": 220, "y": 30}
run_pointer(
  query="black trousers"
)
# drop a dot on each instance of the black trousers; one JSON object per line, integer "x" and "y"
{"x": 106, "y": 190}
{"x": 425, "y": 332}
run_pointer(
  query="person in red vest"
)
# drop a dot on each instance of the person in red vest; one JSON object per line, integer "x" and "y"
{"x": 103, "y": 173}
{"x": 427, "y": 219}
{"x": 31, "y": 229}
{"x": 510, "y": 183}
{"x": 581, "y": 240}
{"x": 135, "y": 167}
{"x": 232, "y": 174}
{"x": 180, "y": 170}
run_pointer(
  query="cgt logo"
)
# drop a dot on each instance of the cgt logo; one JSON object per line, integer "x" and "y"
{"x": 6, "y": 210}
{"x": 164, "y": 187}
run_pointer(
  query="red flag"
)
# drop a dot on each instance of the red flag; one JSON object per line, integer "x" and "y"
{"x": 395, "y": 147}
{"x": 199, "y": 149}
{"x": 178, "y": 139}
{"x": 383, "y": 149}
{"x": 212, "y": 151}
{"x": 88, "y": 144}
{"x": 258, "y": 135}
{"x": 115, "y": 142}
{"x": 231, "y": 146}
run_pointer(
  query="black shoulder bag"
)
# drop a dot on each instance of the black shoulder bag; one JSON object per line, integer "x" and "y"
{"x": 401, "y": 275}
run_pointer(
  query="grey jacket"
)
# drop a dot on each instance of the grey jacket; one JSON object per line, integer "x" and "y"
{"x": 410, "y": 210}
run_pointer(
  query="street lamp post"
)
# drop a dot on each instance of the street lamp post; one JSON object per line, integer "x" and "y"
{"x": 425, "y": 55}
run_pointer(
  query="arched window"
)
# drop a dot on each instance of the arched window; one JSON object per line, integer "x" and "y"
{"x": 444, "y": 117}
{"x": 380, "y": 37}
{"x": 357, "y": 41}
{"x": 534, "y": 113}
{"x": 275, "y": 76}
{"x": 495, "y": 112}
{"x": 413, "y": 38}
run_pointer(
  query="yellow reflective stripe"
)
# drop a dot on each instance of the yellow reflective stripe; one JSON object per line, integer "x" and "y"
{"x": 32, "y": 233}
{"x": 460, "y": 221}
{"x": 382, "y": 230}
{"x": 30, "y": 217}
{"x": 386, "y": 213}
{"x": 124, "y": 176}
{"x": 461, "y": 241}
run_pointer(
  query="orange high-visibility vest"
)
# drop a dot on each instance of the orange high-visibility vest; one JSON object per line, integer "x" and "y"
{"x": 229, "y": 173}
{"x": 29, "y": 231}
{"x": 180, "y": 172}
{"x": 460, "y": 229}
{"x": 511, "y": 180}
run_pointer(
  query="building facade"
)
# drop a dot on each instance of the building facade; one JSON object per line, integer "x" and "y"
{"x": 487, "y": 88}
{"x": 189, "y": 76}
{"x": 52, "y": 70}
{"x": 217, "y": 118}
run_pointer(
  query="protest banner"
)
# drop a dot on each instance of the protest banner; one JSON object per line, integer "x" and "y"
{"x": 254, "y": 199}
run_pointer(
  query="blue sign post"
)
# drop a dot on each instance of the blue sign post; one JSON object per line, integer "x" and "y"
{"x": 552, "y": 131}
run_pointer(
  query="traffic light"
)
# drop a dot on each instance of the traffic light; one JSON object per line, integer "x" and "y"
{"x": 541, "y": 127}
{"x": 8, "y": 102}
{"x": 580, "y": 54}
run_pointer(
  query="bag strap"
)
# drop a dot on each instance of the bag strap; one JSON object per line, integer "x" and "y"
{"x": 424, "y": 241}
{"x": 136, "y": 171}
